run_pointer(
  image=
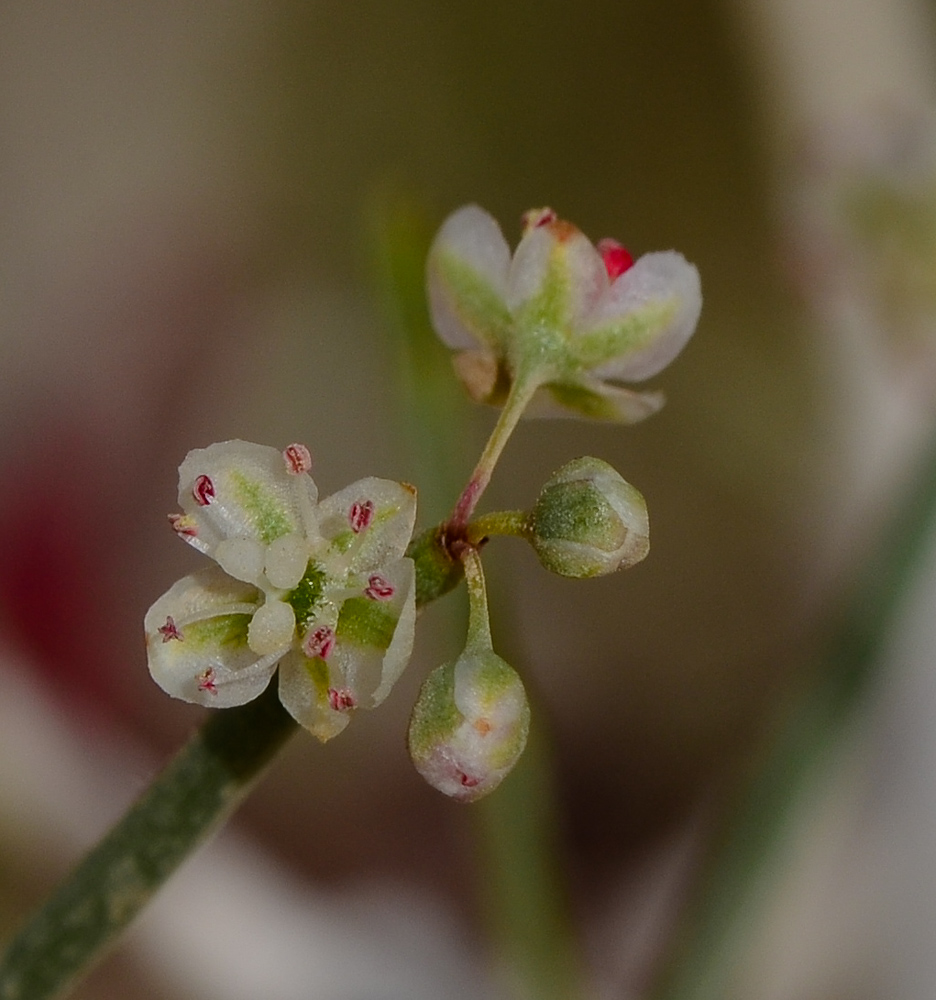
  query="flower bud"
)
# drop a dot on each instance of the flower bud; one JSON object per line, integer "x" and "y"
{"x": 469, "y": 725}
{"x": 588, "y": 521}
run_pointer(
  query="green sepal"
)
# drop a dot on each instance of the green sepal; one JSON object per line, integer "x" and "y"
{"x": 437, "y": 572}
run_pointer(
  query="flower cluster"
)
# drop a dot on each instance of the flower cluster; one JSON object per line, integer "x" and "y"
{"x": 321, "y": 589}
{"x": 560, "y": 315}
{"x": 325, "y": 592}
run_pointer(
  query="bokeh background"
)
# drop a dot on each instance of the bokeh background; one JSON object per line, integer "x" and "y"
{"x": 190, "y": 251}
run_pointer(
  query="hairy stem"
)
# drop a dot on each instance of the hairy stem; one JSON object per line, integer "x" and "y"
{"x": 521, "y": 392}
{"x": 206, "y": 781}
{"x": 198, "y": 790}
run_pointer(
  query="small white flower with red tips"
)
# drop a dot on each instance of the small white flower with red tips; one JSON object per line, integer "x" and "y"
{"x": 567, "y": 318}
{"x": 321, "y": 590}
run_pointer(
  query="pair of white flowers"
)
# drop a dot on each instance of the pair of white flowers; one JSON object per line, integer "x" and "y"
{"x": 323, "y": 590}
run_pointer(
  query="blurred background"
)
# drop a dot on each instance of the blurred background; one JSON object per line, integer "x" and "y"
{"x": 192, "y": 200}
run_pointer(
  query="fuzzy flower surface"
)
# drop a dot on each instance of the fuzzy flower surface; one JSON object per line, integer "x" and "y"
{"x": 321, "y": 589}
{"x": 559, "y": 314}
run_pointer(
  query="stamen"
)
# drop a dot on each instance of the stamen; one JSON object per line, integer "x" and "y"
{"x": 617, "y": 258}
{"x": 536, "y": 217}
{"x": 169, "y": 631}
{"x": 298, "y": 459}
{"x": 206, "y": 681}
{"x": 341, "y": 699}
{"x": 467, "y": 781}
{"x": 183, "y": 525}
{"x": 319, "y": 643}
{"x": 361, "y": 515}
{"x": 203, "y": 491}
{"x": 379, "y": 589}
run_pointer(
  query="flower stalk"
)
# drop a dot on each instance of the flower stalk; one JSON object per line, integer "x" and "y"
{"x": 201, "y": 787}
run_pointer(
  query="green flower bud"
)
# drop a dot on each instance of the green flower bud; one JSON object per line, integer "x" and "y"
{"x": 588, "y": 521}
{"x": 469, "y": 725}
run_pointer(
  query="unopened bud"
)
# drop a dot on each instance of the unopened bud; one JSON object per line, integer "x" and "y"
{"x": 469, "y": 725}
{"x": 588, "y": 521}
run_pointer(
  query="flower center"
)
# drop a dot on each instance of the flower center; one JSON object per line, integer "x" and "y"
{"x": 306, "y": 597}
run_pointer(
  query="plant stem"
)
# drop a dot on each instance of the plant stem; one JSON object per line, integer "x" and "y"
{"x": 197, "y": 791}
{"x": 497, "y": 522}
{"x": 521, "y": 392}
{"x": 730, "y": 893}
{"x": 479, "y": 620}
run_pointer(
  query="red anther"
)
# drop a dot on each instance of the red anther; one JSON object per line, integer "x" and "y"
{"x": 203, "y": 491}
{"x": 169, "y": 631}
{"x": 617, "y": 259}
{"x": 379, "y": 589}
{"x": 298, "y": 459}
{"x": 319, "y": 643}
{"x": 467, "y": 781}
{"x": 183, "y": 525}
{"x": 341, "y": 699}
{"x": 361, "y": 515}
{"x": 206, "y": 681}
{"x": 536, "y": 217}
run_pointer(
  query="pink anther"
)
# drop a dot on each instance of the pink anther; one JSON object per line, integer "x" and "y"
{"x": 203, "y": 491}
{"x": 183, "y": 525}
{"x": 361, "y": 515}
{"x": 169, "y": 631}
{"x": 319, "y": 643}
{"x": 536, "y": 217}
{"x": 206, "y": 681}
{"x": 341, "y": 699}
{"x": 379, "y": 589}
{"x": 617, "y": 259}
{"x": 298, "y": 459}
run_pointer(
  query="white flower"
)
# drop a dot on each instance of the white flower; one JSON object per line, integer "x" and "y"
{"x": 569, "y": 317}
{"x": 321, "y": 589}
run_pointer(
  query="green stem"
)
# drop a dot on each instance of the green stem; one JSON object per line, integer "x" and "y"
{"x": 498, "y": 522}
{"x": 730, "y": 893}
{"x": 479, "y": 620}
{"x": 199, "y": 789}
{"x": 521, "y": 392}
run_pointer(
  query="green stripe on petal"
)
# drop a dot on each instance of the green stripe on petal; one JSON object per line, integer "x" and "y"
{"x": 317, "y": 669}
{"x": 268, "y": 516}
{"x": 631, "y": 334}
{"x": 364, "y": 622}
{"x": 220, "y": 631}
{"x": 476, "y": 305}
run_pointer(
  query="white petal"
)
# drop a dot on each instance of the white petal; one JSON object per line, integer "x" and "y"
{"x": 196, "y": 639}
{"x": 557, "y": 275}
{"x": 375, "y": 638}
{"x": 241, "y": 558}
{"x": 466, "y": 277}
{"x": 592, "y": 399}
{"x": 483, "y": 689}
{"x": 648, "y": 315}
{"x": 236, "y": 489}
{"x": 303, "y": 690}
{"x": 388, "y": 528}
